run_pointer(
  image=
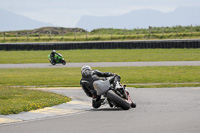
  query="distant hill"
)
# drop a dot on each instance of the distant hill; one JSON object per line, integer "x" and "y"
{"x": 143, "y": 18}
{"x": 11, "y": 21}
{"x": 56, "y": 30}
{"x": 47, "y": 30}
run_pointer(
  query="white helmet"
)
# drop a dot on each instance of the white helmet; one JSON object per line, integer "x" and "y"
{"x": 85, "y": 68}
{"x": 54, "y": 51}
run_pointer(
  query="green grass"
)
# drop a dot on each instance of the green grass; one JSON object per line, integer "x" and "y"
{"x": 109, "y": 55}
{"x": 130, "y": 75}
{"x": 106, "y": 37}
{"x": 16, "y": 100}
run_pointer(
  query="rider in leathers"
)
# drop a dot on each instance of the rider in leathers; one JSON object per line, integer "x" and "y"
{"x": 52, "y": 55}
{"x": 86, "y": 82}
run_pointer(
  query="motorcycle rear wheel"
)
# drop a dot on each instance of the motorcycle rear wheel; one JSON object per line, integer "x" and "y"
{"x": 53, "y": 63}
{"x": 118, "y": 100}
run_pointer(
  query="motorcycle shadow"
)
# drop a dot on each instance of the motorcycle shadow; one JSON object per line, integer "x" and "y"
{"x": 108, "y": 109}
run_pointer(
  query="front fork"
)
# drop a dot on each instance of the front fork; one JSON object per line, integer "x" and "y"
{"x": 123, "y": 92}
{"x": 128, "y": 96}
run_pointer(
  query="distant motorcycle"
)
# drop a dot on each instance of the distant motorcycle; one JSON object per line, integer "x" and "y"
{"x": 58, "y": 59}
{"x": 116, "y": 97}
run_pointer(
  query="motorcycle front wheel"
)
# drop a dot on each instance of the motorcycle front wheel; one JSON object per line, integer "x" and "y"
{"x": 63, "y": 62}
{"x": 133, "y": 104}
{"x": 118, "y": 100}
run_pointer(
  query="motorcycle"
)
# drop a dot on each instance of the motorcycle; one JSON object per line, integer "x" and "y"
{"x": 58, "y": 59}
{"x": 117, "y": 96}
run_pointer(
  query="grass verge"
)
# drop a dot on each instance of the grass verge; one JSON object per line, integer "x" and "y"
{"x": 108, "y": 55}
{"x": 16, "y": 100}
{"x": 130, "y": 75}
{"x": 95, "y": 37}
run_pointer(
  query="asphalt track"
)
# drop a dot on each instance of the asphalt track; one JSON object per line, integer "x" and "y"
{"x": 103, "y": 64}
{"x": 159, "y": 110}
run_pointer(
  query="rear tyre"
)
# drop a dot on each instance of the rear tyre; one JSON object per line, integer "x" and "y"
{"x": 53, "y": 63}
{"x": 118, "y": 100}
{"x": 63, "y": 62}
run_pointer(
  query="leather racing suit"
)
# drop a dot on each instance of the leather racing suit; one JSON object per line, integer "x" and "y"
{"x": 86, "y": 83}
{"x": 52, "y": 55}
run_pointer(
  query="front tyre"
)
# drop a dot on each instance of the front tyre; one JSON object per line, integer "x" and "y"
{"x": 63, "y": 62}
{"x": 118, "y": 100}
{"x": 133, "y": 104}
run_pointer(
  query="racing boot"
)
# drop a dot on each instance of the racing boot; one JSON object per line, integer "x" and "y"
{"x": 96, "y": 101}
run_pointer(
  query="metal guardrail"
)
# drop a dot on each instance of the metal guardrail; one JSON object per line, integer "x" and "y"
{"x": 103, "y": 45}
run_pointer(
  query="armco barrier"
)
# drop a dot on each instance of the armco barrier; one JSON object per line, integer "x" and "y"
{"x": 103, "y": 45}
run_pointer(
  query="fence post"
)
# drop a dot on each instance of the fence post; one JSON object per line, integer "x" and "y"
{"x": 50, "y": 34}
{"x": 149, "y": 36}
{"x": 75, "y": 34}
{"x": 16, "y": 35}
{"x": 111, "y": 33}
{"x": 138, "y": 32}
{"x": 86, "y": 34}
{"x": 99, "y": 33}
{"x": 149, "y": 30}
{"x": 39, "y": 35}
{"x": 63, "y": 35}
{"x": 162, "y": 31}
{"x": 27, "y": 35}
{"x": 124, "y": 32}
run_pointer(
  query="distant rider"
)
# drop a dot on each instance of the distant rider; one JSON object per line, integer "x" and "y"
{"x": 86, "y": 82}
{"x": 52, "y": 55}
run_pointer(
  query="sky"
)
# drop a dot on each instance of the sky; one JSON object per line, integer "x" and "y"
{"x": 67, "y": 13}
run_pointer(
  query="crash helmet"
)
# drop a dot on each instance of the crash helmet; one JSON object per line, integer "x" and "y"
{"x": 54, "y": 51}
{"x": 85, "y": 70}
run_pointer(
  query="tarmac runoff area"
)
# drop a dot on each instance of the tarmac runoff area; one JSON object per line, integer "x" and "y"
{"x": 103, "y": 64}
